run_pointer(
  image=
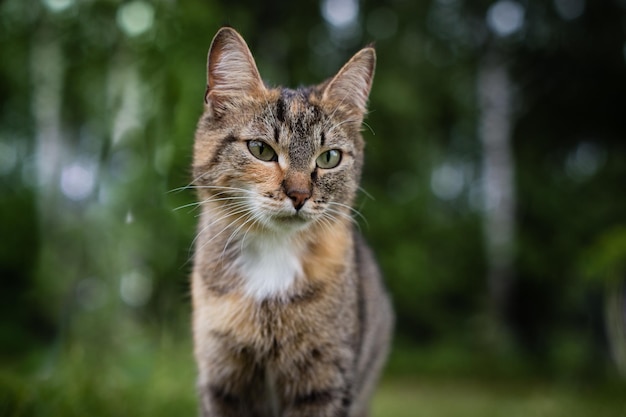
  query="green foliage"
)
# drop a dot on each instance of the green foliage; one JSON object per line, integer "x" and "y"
{"x": 605, "y": 260}
{"x": 146, "y": 376}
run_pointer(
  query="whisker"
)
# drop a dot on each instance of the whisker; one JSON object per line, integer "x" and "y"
{"x": 337, "y": 107}
{"x": 345, "y": 216}
{"x": 352, "y": 209}
{"x": 251, "y": 220}
{"x": 248, "y": 217}
{"x": 188, "y": 186}
{"x": 369, "y": 127}
{"x": 341, "y": 123}
{"x": 207, "y": 200}
{"x": 229, "y": 205}
{"x": 325, "y": 221}
{"x": 364, "y": 191}
{"x": 338, "y": 215}
{"x": 205, "y": 228}
{"x": 213, "y": 187}
{"x": 195, "y": 203}
{"x": 255, "y": 219}
{"x": 232, "y": 206}
{"x": 217, "y": 234}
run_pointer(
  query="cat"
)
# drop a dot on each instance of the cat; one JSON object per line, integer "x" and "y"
{"x": 290, "y": 315}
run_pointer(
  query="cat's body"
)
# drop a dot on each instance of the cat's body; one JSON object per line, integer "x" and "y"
{"x": 290, "y": 315}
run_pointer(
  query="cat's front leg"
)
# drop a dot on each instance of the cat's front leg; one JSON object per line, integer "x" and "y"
{"x": 229, "y": 382}
{"x": 332, "y": 402}
{"x": 216, "y": 402}
{"x": 318, "y": 388}
{"x": 233, "y": 398}
{"x": 220, "y": 397}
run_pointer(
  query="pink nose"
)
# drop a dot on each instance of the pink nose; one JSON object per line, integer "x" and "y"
{"x": 298, "y": 197}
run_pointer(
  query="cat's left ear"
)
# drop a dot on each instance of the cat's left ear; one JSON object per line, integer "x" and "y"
{"x": 231, "y": 70}
{"x": 352, "y": 84}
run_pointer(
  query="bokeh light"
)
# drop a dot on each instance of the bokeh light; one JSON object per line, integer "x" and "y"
{"x": 58, "y": 5}
{"x": 78, "y": 180}
{"x": 135, "y": 17}
{"x": 447, "y": 181}
{"x": 505, "y": 17}
{"x": 340, "y": 13}
{"x": 569, "y": 9}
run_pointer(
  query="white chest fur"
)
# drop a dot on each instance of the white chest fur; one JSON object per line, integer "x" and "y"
{"x": 270, "y": 265}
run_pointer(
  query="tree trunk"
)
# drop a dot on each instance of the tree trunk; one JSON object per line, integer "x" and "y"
{"x": 495, "y": 104}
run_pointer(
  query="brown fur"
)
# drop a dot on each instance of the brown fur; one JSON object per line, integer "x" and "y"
{"x": 290, "y": 316}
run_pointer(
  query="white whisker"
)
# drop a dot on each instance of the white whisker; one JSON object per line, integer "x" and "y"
{"x": 341, "y": 123}
{"x": 352, "y": 209}
{"x": 364, "y": 191}
{"x": 343, "y": 215}
{"x": 209, "y": 200}
{"x": 188, "y": 186}
{"x": 213, "y": 187}
{"x": 337, "y": 108}
{"x": 247, "y": 218}
{"x": 369, "y": 127}
{"x": 218, "y": 234}
{"x": 229, "y": 213}
{"x": 325, "y": 221}
{"x": 255, "y": 219}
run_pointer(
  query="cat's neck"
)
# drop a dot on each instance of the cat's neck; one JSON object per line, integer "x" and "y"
{"x": 270, "y": 263}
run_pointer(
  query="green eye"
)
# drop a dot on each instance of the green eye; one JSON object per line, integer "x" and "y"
{"x": 262, "y": 151}
{"x": 329, "y": 159}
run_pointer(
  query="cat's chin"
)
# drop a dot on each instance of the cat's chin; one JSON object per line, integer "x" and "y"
{"x": 294, "y": 222}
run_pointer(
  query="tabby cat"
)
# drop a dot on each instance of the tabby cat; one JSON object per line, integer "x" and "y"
{"x": 290, "y": 317}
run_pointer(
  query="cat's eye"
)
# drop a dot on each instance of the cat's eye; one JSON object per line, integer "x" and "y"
{"x": 329, "y": 159}
{"x": 262, "y": 151}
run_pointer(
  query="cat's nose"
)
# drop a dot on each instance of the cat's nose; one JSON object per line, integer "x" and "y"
{"x": 298, "y": 197}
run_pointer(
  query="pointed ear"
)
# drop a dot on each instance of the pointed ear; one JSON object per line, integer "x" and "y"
{"x": 231, "y": 70}
{"x": 352, "y": 84}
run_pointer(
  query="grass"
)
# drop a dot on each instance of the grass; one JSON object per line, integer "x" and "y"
{"x": 469, "y": 398}
{"x": 157, "y": 380}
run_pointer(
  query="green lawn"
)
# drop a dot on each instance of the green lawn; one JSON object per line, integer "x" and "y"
{"x": 468, "y": 398}
{"x": 159, "y": 381}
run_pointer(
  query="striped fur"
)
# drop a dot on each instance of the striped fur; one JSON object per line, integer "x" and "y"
{"x": 290, "y": 317}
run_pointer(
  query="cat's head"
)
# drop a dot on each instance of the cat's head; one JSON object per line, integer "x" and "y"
{"x": 276, "y": 158}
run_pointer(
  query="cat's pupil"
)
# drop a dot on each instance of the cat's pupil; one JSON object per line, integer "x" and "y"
{"x": 262, "y": 151}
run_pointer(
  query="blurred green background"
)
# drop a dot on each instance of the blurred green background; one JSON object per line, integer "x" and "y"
{"x": 495, "y": 196}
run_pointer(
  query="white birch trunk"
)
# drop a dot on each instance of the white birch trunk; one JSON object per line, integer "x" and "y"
{"x": 495, "y": 104}
{"x": 615, "y": 316}
{"x": 47, "y": 68}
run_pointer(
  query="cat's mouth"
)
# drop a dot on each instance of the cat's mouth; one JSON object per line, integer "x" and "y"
{"x": 297, "y": 217}
{"x": 294, "y": 219}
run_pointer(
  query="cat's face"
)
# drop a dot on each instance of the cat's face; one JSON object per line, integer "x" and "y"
{"x": 279, "y": 159}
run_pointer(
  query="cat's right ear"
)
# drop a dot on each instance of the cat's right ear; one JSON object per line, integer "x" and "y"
{"x": 231, "y": 71}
